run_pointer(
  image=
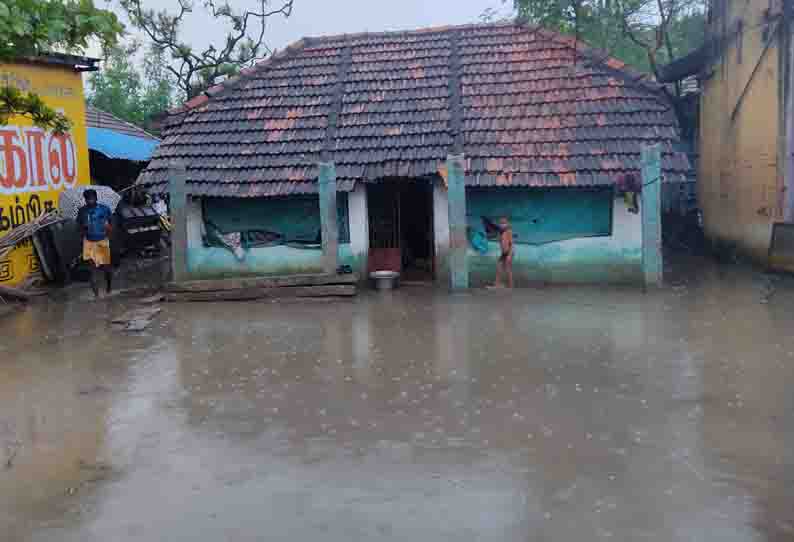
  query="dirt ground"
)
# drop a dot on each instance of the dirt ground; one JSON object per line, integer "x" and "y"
{"x": 558, "y": 414}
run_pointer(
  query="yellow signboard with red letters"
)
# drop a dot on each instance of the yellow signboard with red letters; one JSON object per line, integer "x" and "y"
{"x": 36, "y": 165}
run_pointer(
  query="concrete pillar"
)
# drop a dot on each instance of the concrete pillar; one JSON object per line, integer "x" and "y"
{"x": 177, "y": 180}
{"x": 441, "y": 232}
{"x": 328, "y": 224}
{"x": 358, "y": 215}
{"x": 651, "y": 209}
{"x": 458, "y": 241}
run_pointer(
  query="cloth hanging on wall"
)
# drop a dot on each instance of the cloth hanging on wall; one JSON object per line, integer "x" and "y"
{"x": 272, "y": 221}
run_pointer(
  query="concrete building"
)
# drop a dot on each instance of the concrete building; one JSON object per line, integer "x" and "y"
{"x": 35, "y": 166}
{"x": 745, "y": 170}
{"x": 404, "y": 148}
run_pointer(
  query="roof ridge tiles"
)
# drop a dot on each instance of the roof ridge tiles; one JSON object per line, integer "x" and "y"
{"x": 593, "y": 54}
{"x": 526, "y": 93}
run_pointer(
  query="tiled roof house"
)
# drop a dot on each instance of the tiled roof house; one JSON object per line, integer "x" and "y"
{"x": 546, "y": 125}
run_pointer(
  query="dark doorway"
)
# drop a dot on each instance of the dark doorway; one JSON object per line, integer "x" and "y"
{"x": 401, "y": 228}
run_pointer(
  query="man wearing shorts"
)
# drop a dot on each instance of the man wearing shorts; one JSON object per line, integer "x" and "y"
{"x": 94, "y": 220}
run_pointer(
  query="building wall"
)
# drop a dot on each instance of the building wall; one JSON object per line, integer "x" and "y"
{"x": 35, "y": 166}
{"x": 441, "y": 233}
{"x": 615, "y": 259}
{"x": 610, "y": 259}
{"x": 215, "y": 262}
{"x": 359, "y": 229}
{"x": 740, "y": 189}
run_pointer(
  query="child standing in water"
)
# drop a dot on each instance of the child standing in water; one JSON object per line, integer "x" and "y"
{"x": 505, "y": 264}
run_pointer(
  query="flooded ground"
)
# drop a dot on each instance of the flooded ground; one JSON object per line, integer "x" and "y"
{"x": 552, "y": 414}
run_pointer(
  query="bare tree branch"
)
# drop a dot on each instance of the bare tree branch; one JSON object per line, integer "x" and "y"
{"x": 242, "y": 45}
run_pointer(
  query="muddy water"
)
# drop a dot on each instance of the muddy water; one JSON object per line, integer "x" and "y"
{"x": 558, "y": 414}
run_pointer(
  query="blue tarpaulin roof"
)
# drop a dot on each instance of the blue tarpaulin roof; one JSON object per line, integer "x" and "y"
{"x": 114, "y": 144}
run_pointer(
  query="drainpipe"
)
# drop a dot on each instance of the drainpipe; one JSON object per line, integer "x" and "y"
{"x": 786, "y": 112}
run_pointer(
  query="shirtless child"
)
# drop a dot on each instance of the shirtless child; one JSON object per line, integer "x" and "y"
{"x": 505, "y": 264}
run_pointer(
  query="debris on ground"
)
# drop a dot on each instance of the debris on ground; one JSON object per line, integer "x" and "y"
{"x": 9, "y": 308}
{"x": 136, "y": 319}
{"x": 7, "y": 292}
{"x": 768, "y": 287}
{"x": 27, "y": 230}
{"x": 152, "y": 299}
{"x": 93, "y": 473}
{"x": 275, "y": 287}
{"x": 12, "y": 449}
{"x": 92, "y": 390}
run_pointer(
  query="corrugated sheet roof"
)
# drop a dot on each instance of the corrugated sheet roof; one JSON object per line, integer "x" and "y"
{"x": 119, "y": 145}
{"x": 526, "y": 106}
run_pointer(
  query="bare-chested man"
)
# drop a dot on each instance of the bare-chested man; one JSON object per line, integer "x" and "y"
{"x": 504, "y": 267}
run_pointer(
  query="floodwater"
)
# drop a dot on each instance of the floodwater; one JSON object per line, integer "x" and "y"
{"x": 548, "y": 414}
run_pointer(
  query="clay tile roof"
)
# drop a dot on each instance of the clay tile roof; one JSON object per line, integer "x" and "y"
{"x": 526, "y": 106}
{"x": 96, "y": 118}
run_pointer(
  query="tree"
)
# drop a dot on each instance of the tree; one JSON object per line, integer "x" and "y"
{"x": 34, "y": 27}
{"x": 159, "y": 92}
{"x": 642, "y": 33}
{"x": 121, "y": 89}
{"x": 117, "y": 88}
{"x": 654, "y": 25}
{"x": 195, "y": 70}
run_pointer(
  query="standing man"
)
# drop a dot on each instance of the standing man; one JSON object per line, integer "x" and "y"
{"x": 505, "y": 264}
{"x": 95, "y": 226}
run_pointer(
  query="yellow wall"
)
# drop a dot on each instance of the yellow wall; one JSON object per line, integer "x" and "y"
{"x": 35, "y": 166}
{"x": 740, "y": 189}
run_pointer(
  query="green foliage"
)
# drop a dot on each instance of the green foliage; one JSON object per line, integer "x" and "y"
{"x": 14, "y": 102}
{"x": 117, "y": 87}
{"x": 159, "y": 88}
{"x": 122, "y": 90}
{"x": 33, "y": 27}
{"x": 642, "y": 33}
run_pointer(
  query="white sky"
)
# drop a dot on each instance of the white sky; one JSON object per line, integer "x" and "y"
{"x": 325, "y": 17}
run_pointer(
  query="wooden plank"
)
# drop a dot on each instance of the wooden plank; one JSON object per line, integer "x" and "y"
{"x": 261, "y": 282}
{"x": 249, "y": 294}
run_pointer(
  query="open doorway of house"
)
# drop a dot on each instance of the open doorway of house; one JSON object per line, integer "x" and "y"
{"x": 401, "y": 228}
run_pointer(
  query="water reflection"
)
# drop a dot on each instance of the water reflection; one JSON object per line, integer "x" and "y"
{"x": 543, "y": 414}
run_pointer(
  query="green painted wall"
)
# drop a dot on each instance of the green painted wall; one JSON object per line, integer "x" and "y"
{"x": 213, "y": 262}
{"x": 615, "y": 258}
{"x": 584, "y": 255}
{"x": 565, "y": 262}
{"x": 543, "y": 215}
{"x": 295, "y": 217}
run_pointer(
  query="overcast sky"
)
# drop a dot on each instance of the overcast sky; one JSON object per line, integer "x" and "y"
{"x": 324, "y": 17}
